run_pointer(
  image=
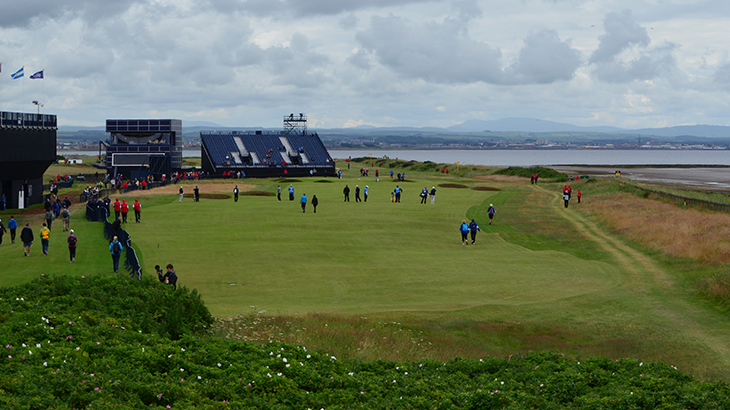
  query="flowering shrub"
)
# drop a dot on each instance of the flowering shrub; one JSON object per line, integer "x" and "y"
{"x": 102, "y": 342}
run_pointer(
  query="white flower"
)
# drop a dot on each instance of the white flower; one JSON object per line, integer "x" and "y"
{"x": 219, "y": 365}
{"x": 182, "y": 370}
{"x": 45, "y": 364}
{"x": 284, "y": 360}
{"x": 309, "y": 356}
{"x": 199, "y": 377}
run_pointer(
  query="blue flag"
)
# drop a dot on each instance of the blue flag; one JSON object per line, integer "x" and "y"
{"x": 37, "y": 76}
{"x": 17, "y": 74}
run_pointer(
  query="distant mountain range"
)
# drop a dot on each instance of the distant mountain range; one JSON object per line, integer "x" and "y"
{"x": 482, "y": 127}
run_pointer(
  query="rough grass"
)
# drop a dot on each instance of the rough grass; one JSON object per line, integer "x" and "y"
{"x": 680, "y": 232}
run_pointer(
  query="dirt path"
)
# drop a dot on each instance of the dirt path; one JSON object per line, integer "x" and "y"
{"x": 647, "y": 279}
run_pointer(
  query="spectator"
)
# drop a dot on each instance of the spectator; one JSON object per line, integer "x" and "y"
{"x": 2, "y": 231}
{"x": 45, "y": 236}
{"x": 315, "y": 202}
{"x": 26, "y": 235}
{"x": 48, "y": 218}
{"x": 491, "y": 211}
{"x": 473, "y": 227}
{"x": 171, "y": 277}
{"x": 278, "y": 193}
{"x": 291, "y": 192}
{"x": 12, "y": 225}
{"x": 196, "y": 192}
{"x": 303, "y": 201}
{"x": 160, "y": 275}
{"x": 116, "y": 250}
{"x": 66, "y": 217}
{"x": 464, "y": 229}
{"x": 116, "y": 226}
{"x": 235, "y": 194}
{"x": 72, "y": 240}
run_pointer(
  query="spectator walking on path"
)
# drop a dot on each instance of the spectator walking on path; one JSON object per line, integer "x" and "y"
{"x": 137, "y": 211}
{"x": 181, "y": 194}
{"x": 473, "y": 228}
{"x": 48, "y": 218}
{"x": 346, "y": 191}
{"x": 2, "y": 231}
{"x": 433, "y": 195}
{"x": 491, "y": 211}
{"x": 278, "y": 193}
{"x": 170, "y": 277}
{"x": 26, "y": 236}
{"x": 116, "y": 250}
{"x": 125, "y": 210}
{"x": 357, "y": 193}
{"x": 66, "y": 217}
{"x": 291, "y": 192}
{"x": 315, "y": 202}
{"x": 464, "y": 229}
{"x": 196, "y": 194}
{"x": 303, "y": 201}
{"x": 45, "y": 237}
{"x": 72, "y": 240}
{"x": 235, "y": 194}
{"x": 12, "y": 225}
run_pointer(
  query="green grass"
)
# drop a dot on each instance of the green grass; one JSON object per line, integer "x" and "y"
{"x": 533, "y": 281}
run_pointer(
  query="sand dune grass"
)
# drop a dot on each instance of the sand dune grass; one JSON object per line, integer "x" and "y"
{"x": 680, "y": 232}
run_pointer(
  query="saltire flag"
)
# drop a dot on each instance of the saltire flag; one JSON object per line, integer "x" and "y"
{"x": 37, "y": 76}
{"x": 17, "y": 74}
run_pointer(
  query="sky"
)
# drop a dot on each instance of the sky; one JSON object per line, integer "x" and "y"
{"x": 344, "y": 63}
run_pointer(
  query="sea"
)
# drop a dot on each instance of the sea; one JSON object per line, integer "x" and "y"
{"x": 525, "y": 158}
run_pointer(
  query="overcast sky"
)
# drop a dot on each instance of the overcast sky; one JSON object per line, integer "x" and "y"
{"x": 638, "y": 63}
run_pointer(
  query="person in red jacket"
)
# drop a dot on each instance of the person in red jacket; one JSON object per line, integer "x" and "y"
{"x": 137, "y": 210}
{"x": 125, "y": 210}
{"x": 579, "y": 195}
{"x": 117, "y": 208}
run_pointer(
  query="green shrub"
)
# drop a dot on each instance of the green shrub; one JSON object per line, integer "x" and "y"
{"x": 542, "y": 172}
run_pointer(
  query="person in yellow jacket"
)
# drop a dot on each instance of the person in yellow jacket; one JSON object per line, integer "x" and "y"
{"x": 45, "y": 236}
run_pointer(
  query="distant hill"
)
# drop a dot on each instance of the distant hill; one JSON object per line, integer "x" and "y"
{"x": 526, "y": 125}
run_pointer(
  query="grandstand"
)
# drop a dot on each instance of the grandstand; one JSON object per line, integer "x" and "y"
{"x": 141, "y": 147}
{"x": 261, "y": 154}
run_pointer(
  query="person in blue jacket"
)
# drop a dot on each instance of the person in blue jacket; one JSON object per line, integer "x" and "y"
{"x": 291, "y": 192}
{"x": 398, "y": 191}
{"x": 303, "y": 201}
{"x": 13, "y": 226}
{"x": 464, "y": 229}
{"x": 491, "y": 211}
{"x": 473, "y": 228}
{"x": 116, "y": 249}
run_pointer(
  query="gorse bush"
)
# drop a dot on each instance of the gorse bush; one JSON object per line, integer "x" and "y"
{"x": 542, "y": 172}
{"x": 108, "y": 342}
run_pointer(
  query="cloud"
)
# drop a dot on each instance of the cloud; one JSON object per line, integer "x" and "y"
{"x": 21, "y": 13}
{"x": 625, "y": 37}
{"x": 622, "y": 32}
{"x": 433, "y": 51}
{"x": 544, "y": 59}
{"x": 443, "y": 52}
{"x": 304, "y": 7}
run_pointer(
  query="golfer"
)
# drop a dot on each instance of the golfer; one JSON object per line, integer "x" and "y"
{"x": 491, "y": 211}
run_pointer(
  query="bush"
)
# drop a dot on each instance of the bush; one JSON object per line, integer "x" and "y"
{"x": 107, "y": 342}
{"x": 542, "y": 172}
